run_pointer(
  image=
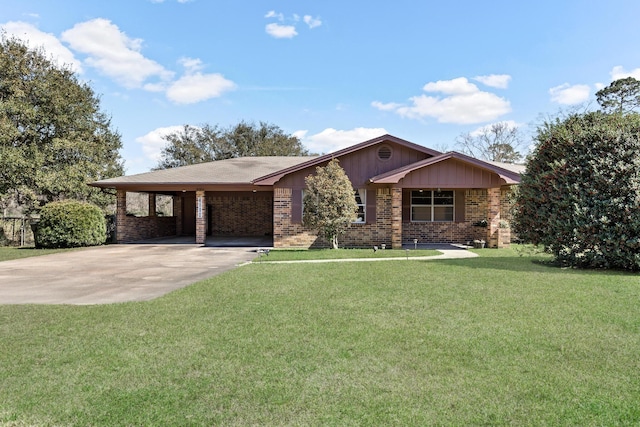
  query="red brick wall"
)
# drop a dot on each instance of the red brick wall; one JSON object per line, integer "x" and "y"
{"x": 388, "y": 227}
{"x": 241, "y": 214}
{"x": 441, "y": 232}
{"x": 286, "y": 233}
{"x": 145, "y": 227}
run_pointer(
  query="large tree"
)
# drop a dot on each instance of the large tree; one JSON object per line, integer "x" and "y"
{"x": 54, "y": 138}
{"x": 622, "y": 96}
{"x": 329, "y": 202}
{"x": 580, "y": 194}
{"x": 193, "y": 144}
{"x": 498, "y": 142}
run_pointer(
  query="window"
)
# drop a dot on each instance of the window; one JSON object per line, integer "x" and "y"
{"x": 431, "y": 205}
{"x": 361, "y": 201}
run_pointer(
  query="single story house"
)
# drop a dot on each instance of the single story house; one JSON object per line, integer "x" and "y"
{"x": 404, "y": 192}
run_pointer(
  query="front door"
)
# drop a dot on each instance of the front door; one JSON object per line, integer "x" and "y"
{"x": 189, "y": 214}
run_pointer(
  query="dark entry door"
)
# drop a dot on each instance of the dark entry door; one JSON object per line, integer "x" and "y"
{"x": 189, "y": 214}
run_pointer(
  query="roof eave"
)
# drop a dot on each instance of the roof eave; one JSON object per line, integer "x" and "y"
{"x": 272, "y": 178}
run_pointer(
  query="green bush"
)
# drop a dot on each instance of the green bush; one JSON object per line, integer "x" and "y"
{"x": 70, "y": 224}
{"x": 580, "y": 195}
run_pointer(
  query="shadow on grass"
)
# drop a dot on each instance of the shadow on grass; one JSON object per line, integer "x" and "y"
{"x": 524, "y": 263}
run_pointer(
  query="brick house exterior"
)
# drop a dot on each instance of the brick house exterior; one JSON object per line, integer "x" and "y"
{"x": 406, "y": 191}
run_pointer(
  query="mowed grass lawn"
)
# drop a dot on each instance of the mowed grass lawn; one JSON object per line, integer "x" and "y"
{"x": 494, "y": 340}
{"x": 8, "y": 253}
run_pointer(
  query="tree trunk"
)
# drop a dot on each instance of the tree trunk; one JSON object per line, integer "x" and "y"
{"x": 334, "y": 242}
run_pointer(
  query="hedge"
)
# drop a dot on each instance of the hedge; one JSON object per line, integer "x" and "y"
{"x": 69, "y": 224}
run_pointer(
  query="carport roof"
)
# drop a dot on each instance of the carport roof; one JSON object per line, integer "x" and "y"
{"x": 242, "y": 170}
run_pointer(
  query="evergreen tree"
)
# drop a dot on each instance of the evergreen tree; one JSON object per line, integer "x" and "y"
{"x": 329, "y": 202}
{"x": 580, "y": 194}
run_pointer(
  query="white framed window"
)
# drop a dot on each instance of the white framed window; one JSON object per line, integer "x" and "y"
{"x": 432, "y": 205}
{"x": 361, "y": 201}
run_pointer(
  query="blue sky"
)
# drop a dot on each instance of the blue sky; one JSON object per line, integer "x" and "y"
{"x": 333, "y": 72}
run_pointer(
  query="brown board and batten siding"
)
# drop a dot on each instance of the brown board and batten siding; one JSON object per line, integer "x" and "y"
{"x": 451, "y": 174}
{"x": 359, "y": 167}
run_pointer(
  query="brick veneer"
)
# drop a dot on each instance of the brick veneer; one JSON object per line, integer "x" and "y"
{"x": 131, "y": 228}
{"x": 387, "y": 228}
{"x": 241, "y": 214}
{"x": 201, "y": 217}
{"x": 146, "y": 227}
{"x": 286, "y": 233}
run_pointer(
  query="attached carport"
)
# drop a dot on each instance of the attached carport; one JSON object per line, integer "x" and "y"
{"x": 217, "y": 199}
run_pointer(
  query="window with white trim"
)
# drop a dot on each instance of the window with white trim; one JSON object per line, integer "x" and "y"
{"x": 361, "y": 201}
{"x": 432, "y": 205}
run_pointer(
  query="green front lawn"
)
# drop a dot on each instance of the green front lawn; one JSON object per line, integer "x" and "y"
{"x": 494, "y": 340}
{"x": 9, "y": 252}
{"x": 310, "y": 254}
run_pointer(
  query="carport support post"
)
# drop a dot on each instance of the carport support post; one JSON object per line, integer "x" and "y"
{"x": 121, "y": 216}
{"x": 494, "y": 217}
{"x": 152, "y": 204}
{"x": 201, "y": 216}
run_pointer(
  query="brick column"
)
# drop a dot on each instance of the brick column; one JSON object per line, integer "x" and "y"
{"x": 493, "y": 212}
{"x": 396, "y": 218}
{"x": 201, "y": 217}
{"x": 152, "y": 204}
{"x": 282, "y": 205}
{"x": 177, "y": 212}
{"x": 121, "y": 216}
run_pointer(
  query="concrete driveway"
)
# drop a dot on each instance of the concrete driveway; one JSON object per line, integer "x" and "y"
{"x": 115, "y": 273}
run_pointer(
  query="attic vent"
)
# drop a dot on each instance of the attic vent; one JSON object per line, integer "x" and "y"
{"x": 384, "y": 152}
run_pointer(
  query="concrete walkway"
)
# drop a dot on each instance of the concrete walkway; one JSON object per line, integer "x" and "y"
{"x": 113, "y": 273}
{"x": 447, "y": 252}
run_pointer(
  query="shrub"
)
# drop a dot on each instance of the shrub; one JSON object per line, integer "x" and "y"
{"x": 70, "y": 224}
{"x": 580, "y": 194}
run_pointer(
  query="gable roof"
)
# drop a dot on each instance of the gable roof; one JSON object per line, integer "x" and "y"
{"x": 274, "y": 177}
{"x": 240, "y": 170}
{"x": 508, "y": 172}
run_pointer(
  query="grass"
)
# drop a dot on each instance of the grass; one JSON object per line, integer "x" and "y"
{"x": 10, "y": 252}
{"x": 494, "y": 340}
{"x": 309, "y": 254}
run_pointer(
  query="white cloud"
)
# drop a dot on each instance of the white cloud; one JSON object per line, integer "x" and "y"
{"x": 191, "y": 65}
{"x": 118, "y": 56}
{"x": 567, "y": 94}
{"x": 463, "y": 103}
{"x": 618, "y": 72}
{"x": 196, "y": 87}
{"x": 500, "y": 81}
{"x": 273, "y": 14}
{"x": 153, "y": 142}
{"x": 281, "y": 31}
{"x": 330, "y": 139}
{"x": 113, "y": 53}
{"x": 311, "y": 21}
{"x": 459, "y": 86}
{"x": 50, "y": 43}
{"x": 390, "y": 106}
